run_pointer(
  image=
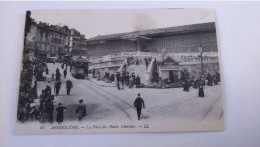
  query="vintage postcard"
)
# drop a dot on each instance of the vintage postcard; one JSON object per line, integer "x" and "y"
{"x": 114, "y": 71}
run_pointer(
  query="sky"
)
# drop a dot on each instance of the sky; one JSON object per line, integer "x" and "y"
{"x": 96, "y": 22}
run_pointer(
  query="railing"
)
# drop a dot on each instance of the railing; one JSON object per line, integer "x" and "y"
{"x": 117, "y": 59}
{"x": 124, "y": 55}
{"x": 197, "y": 60}
{"x": 106, "y": 64}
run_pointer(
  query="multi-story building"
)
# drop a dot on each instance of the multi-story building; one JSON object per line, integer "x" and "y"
{"x": 50, "y": 40}
{"x": 77, "y": 43}
{"x": 56, "y": 41}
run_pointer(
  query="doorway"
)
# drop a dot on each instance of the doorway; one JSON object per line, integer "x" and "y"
{"x": 173, "y": 76}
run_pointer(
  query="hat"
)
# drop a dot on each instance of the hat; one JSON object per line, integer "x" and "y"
{"x": 81, "y": 100}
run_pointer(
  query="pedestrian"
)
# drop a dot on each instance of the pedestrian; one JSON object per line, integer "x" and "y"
{"x": 68, "y": 86}
{"x": 48, "y": 88}
{"x": 49, "y": 108}
{"x": 201, "y": 90}
{"x": 65, "y": 73}
{"x": 118, "y": 80}
{"x": 215, "y": 80}
{"x": 57, "y": 70}
{"x": 131, "y": 82}
{"x": 218, "y": 76}
{"x": 138, "y": 81}
{"x": 98, "y": 75}
{"x": 134, "y": 79}
{"x": 57, "y": 86}
{"x": 124, "y": 67}
{"x": 127, "y": 79}
{"x": 52, "y": 76}
{"x": 137, "y": 62}
{"x": 123, "y": 80}
{"x": 47, "y": 71}
{"x": 186, "y": 85}
{"x": 81, "y": 110}
{"x": 58, "y": 76}
{"x": 62, "y": 65}
{"x": 139, "y": 104}
{"x": 210, "y": 79}
{"x": 93, "y": 73}
{"x": 60, "y": 111}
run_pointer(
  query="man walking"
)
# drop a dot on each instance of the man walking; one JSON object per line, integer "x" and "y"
{"x": 68, "y": 86}
{"x": 139, "y": 104}
{"x": 65, "y": 73}
{"x": 57, "y": 87}
{"x": 81, "y": 110}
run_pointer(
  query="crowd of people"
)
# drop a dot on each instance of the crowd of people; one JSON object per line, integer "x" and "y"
{"x": 199, "y": 82}
{"x": 27, "y": 92}
{"x": 28, "y": 110}
{"x": 127, "y": 79}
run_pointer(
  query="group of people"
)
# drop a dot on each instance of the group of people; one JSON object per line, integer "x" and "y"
{"x": 58, "y": 83}
{"x": 200, "y": 82}
{"x": 132, "y": 61}
{"x": 147, "y": 61}
{"x": 27, "y": 91}
{"x": 127, "y": 79}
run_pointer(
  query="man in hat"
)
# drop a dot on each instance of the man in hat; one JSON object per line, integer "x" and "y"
{"x": 65, "y": 73}
{"x": 139, "y": 104}
{"x": 68, "y": 86}
{"x": 48, "y": 88}
{"x": 81, "y": 110}
{"x": 57, "y": 87}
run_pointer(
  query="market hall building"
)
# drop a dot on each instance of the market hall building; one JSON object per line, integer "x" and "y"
{"x": 179, "y": 48}
{"x": 180, "y": 39}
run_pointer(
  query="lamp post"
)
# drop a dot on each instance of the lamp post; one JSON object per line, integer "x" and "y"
{"x": 201, "y": 58}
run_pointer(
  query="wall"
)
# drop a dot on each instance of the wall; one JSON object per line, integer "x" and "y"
{"x": 110, "y": 47}
{"x": 172, "y": 44}
{"x": 184, "y": 43}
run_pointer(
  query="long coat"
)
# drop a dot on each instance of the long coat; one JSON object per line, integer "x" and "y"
{"x": 139, "y": 103}
{"x": 201, "y": 91}
{"x": 81, "y": 110}
{"x": 60, "y": 111}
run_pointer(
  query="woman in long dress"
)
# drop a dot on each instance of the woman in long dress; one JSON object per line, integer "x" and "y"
{"x": 60, "y": 111}
{"x": 201, "y": 90}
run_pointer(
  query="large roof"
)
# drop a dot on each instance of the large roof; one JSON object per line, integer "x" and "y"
{"x": 146, "y": 33}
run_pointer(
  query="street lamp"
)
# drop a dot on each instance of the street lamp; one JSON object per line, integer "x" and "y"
{"x": 201, "y": 59}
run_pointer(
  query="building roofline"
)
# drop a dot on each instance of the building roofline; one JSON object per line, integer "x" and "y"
{"x": 160, "y": 31}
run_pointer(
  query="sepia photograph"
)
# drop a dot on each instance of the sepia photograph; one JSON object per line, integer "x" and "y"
{"x": 119, "y": 71}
